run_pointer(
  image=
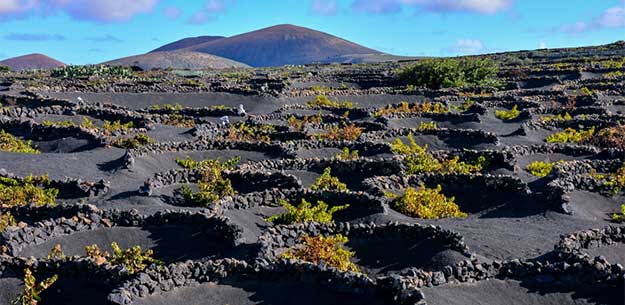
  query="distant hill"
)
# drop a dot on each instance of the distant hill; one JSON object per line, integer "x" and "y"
{"x": 176, "y": 60}
{"x": 282, "y": 45}
{"x": 186, "y": 42}
{"x": 31, "y": 61}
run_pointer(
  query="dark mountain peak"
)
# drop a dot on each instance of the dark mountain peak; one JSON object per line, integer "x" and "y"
{"x": 282, "y": 45}
{"x": 31, "y": 61}
{"x": 186, "y": 42}
{"x": 176, "y": 60}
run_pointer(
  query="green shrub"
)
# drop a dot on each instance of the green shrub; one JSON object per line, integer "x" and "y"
{"x": 540, "y": 169}
{"x": 330, "y": 249}
{"x": 31, "y": 292}
{"x": 219, "y": 107}
{"x": 189, "y": 163}
{"x": 241, "y": 131}
{"x": 134, "y": 142}
{"x": 117, "y": 126}
{"x": 87, "y": 123}
{"x": 298, "y": 125}
{"x": 571, "y": 135}
{"x": 404, "y": 107}
{"x": 59, "y": 124}
{"x": 586, "y": 91}
{"x": 212, "y": 185}
{"x": 94, "y": 253}
{"x": 324, "y": 102}
{"x": 465, "y": 106}
{"x": 327, "y": 182}
{"x": 56, "y": 253}
{"x": 5, "y": 69}
{"x": 425, "y": 126}
{"x": 346, "y": 154}
{"x": 344, "y": 133}
{"x": 450, "y": 73}
{"x": 615, "y": 181}
{"x": 418, "y": 161}
{"x": 6, "y": 220}
{"x": 305, "y": 212}
{"x": 15, "y": 192}
{"x": 612, "y": 137}
{"x": 557, "y": 118}
{"x": 619, "y": 217}
{"x": 178, "y": 120}
{"x": 133, "y": 259}
{"x": 10, "y": 143}
{"x": 166, "y": 107}
{"x": 426, "y": 203}
{"x": 92, "y": 70}
{"x": 321, "y": 89}
{"x": 507, "y": 115}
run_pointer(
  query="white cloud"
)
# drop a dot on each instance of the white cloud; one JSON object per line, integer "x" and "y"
{"x": 613, "y": 17}
{"x": 324, "y": 7}
{"x": 467, "y": 46}
{"x": 103, "y": 10}
{"x": 393, "y": 6}
{"x": 216, "y": 6}
{"x": 91, "y": 10}
{"x": 17, "y": 8}
{"x": 542, "y": 45}
{"x": 210, "y": 10}
{"x": 172, "y": 12}
{"x": 480, "y": 6}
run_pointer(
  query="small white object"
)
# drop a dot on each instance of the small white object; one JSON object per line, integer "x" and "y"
{"x": 225, "y": 121}
{"x": 241, "y": 111}
{"x": 80, "y": 99}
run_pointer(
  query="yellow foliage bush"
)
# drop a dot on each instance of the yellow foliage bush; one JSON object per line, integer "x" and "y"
{"x": 427, "y": 204}
{"x": 330, "y": 249}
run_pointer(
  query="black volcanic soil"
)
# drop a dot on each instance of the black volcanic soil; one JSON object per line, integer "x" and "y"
{"x": 169, "y": 243}
{"x": 255, "y": 292}
{"x": 495, "y": 292}
{"x": 501, "y": 225}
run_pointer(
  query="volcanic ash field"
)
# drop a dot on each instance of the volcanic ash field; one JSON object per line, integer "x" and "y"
{"x": 340, "y": 184}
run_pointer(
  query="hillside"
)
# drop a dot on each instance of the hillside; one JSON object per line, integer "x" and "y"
{"x": 177, "y": 60}
{"x": 186, "y": 42}
{"x": 283, "y": 45}
{"x": 31, "y": 61}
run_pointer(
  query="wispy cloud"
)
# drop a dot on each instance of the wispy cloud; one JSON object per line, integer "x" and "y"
{"x": 101, "y": 11}
{"x": 324, "y": 7}
{"x": 217, "y": 6}
{"x": 466, "y": 47}
{"x": 33, "y": 37}
{"x": 210, "y": 10}
{"x": 200, "y": 17}
{"x": 10, "y": 9}
{"x": 172, "y": 12}
{"x": 395, "y": 6}
{"x": 105, "y": 38}
{"x": 613, "y": 17}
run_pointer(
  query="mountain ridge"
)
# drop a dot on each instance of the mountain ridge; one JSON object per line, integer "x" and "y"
{"x": 283, "y": 44}
{"x": 31, "y": 61}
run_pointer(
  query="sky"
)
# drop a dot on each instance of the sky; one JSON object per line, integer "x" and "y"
{"x": 93, "y": 31}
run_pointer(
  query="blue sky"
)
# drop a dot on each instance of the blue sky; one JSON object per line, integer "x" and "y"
{"x": 92, "y": 31}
